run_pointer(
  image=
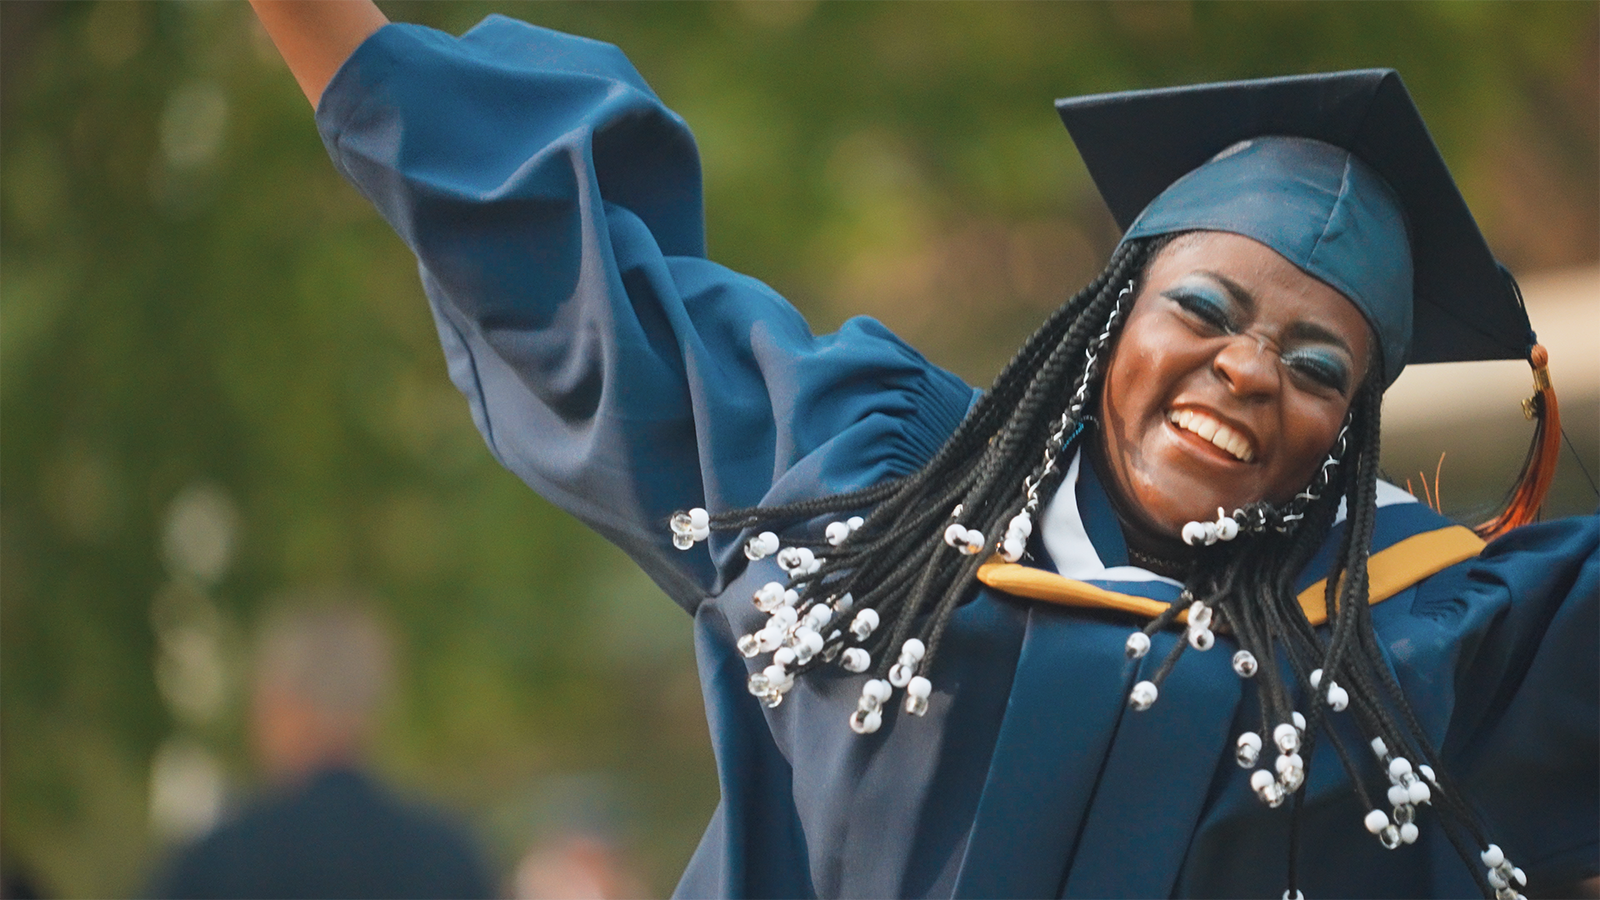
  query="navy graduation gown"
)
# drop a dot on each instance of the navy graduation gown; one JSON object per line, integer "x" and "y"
{"x": 554, "y": 207}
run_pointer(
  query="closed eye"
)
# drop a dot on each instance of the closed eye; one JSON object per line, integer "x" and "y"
{"x": 1322, "y": 367}
{"x": 1213, "y": 312}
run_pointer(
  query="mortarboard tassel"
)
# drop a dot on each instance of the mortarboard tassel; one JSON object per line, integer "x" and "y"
{"x": 1540, "y": 467}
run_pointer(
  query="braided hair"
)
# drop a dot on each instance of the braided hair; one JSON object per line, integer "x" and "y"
{"x": 879, "y": 597}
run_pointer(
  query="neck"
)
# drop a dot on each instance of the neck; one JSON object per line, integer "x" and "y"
{"x": 1148, "y": 548}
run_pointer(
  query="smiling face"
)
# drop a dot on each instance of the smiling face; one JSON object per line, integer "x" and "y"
{"x": 1228, "y": 385}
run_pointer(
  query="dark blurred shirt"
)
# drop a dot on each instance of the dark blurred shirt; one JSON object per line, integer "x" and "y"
{"x": 340, "y": 834}
{"x": 16, "y": 883}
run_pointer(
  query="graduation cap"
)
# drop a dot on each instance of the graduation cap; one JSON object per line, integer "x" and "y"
{"x": 1338, "y": 173}
{"x": 1369, "y": 160}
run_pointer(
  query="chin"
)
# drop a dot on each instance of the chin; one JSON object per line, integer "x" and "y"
{"x": 1165, "y": 516}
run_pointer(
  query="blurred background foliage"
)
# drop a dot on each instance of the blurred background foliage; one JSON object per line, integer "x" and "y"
{"x": 220, "y": 384}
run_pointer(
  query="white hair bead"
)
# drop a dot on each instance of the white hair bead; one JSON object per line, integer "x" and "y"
{"x": 913, "y": 648}
{"x": 1299, "y": 720}
{"x": 1194, "y": 533}
{"x": 973, "y": 542}
{"x": 1143, "y": 695}
{"x": 1261, "y": 779}
{"x": 865, "y": 722}
{"x": 836, "y": 532}
{"x": 1376, "y": 821}
{"x": 1273, "y": 795}
{"x": 809, "y": 640}
{"x": 916, "y": 706}
{"x": 1227, "y": 529}
{"x": 769, "y": 597}
{"x": 784, "y": 616}
{"x": 699, "y": 518}
{"x": 900, "y": 674}
{"x": 1338, "y": 698}
{"x": 1398, "y": 795}
{"x": 1409, "y": 833}
{"x": 1138, "y": 645}
{"x": 1011, "y": 549}
{"x": 761, "y": 546}
{"x": 855, "y": 659}
{"x": 783, "y": 656}
{"x": 1379, "y": 748}
{"x": 1493, "y": 856}
{"x": 1418, "y": 792}
{"x": 877, "y": 689}
{"x": 954, "y": 534}
{"x": 863, "y": 624}
{"x": 855, "y": 522}
{"x": 1287, "y": 737}
{"x": 757, "y": 684}
{"x": 1244, "y": 663}
{"x": 1399, "y": 766}
{"x": 1247, "y": 749}
{"x": 1202, "y": 639}
{"x": 919, "y": 687}
{"x": 1316, "y": 678}
{"x": 778, "y": 679}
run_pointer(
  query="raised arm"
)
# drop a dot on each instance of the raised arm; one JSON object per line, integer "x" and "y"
{"x": 317, "y": 36}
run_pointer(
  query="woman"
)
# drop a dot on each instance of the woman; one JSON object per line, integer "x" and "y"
{"x": 893, "y": 715}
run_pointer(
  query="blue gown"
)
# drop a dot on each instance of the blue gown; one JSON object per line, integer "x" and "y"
{"x": 554, "y": 206}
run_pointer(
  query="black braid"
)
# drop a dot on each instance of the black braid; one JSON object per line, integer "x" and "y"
{"x": 1252, "y": 585}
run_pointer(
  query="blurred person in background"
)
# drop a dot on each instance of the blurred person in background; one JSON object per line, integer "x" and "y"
{"x": 325, "y": 826}
{"x": 579, "y": 850}
{"x": 16, "y": 882}
{"x": 575, "y": 865}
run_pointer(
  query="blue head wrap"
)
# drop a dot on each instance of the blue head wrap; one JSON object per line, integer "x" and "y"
{"x": 1318, "y": 206}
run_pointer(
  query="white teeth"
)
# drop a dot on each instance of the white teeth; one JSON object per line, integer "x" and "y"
{"x": 1217, "y": 433}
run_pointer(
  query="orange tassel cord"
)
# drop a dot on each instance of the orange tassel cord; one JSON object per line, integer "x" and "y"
{"x": 1539, "y": 469}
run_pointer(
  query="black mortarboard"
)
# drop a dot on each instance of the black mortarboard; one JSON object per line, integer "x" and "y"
{"x": 1460, "y": 306}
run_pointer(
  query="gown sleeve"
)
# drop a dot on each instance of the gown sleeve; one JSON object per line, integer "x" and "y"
{"x": 1523, "y": 740}
{"x": 554, "y": 207}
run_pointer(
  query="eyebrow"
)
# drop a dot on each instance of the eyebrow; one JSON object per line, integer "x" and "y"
{"x": 1302, "y": 329}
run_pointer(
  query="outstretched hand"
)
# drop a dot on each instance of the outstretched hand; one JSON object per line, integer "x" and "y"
{"x": 316, "y": 36}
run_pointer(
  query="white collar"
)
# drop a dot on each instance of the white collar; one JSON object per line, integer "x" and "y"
{"x": 1067, "y": 540}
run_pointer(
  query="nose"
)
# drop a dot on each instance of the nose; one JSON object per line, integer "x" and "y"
{"x": 1248, "y": 364}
